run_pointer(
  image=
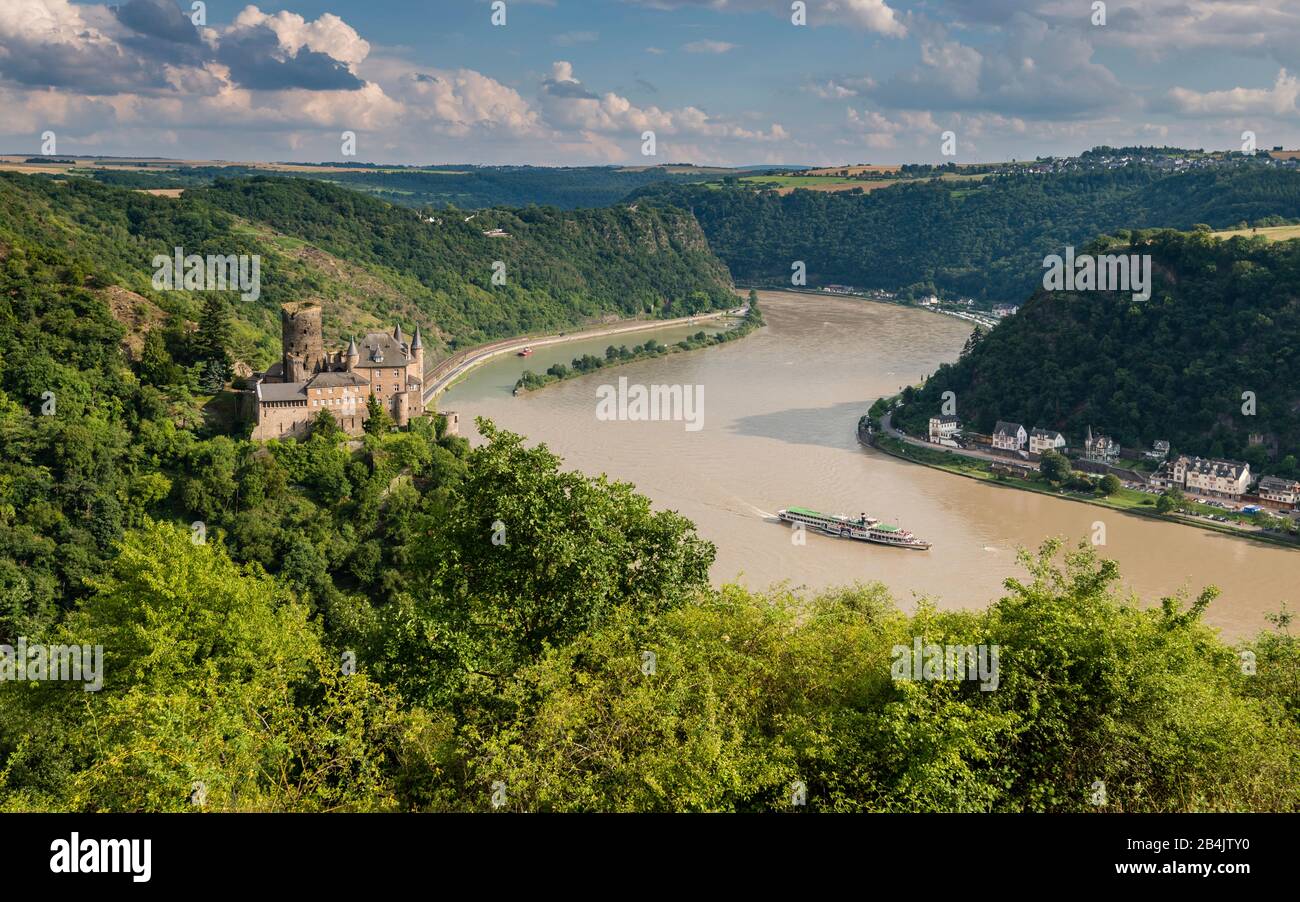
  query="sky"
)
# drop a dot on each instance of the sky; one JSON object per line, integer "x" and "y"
{"x": 580, "y": 82}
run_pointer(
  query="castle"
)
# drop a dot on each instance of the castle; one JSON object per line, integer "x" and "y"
{"x": 307, "y": 380}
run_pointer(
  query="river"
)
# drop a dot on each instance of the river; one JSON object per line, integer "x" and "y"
{"x": 780, "y": 409}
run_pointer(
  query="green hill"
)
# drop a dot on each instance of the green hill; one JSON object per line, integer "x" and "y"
{"x": 372, "y": 262}
{"x": 1223, "y": 319}
{"x": 985, "y": 241}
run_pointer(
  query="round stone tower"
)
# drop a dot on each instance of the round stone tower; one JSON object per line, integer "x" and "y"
{"x": 302, "y": 339}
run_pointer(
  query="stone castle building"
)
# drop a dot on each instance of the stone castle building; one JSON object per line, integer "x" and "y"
{"x": 307, "y": 380}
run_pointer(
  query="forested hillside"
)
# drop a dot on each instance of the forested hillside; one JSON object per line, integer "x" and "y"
{"x": 984, "y": 240}
{"x": 1223, "y": 319}
{"x": 371, "y": 262}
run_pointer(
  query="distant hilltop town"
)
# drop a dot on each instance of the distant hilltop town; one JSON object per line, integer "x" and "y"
{"x": 307, "y": 380}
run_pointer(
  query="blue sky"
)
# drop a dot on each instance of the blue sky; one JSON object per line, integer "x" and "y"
{"x": 578, "y": 82}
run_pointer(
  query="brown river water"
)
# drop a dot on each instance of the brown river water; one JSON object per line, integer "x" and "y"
{"x": 780, "y": 409}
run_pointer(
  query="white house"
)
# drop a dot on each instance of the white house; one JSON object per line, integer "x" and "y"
{"x": 944, "y": 427}
{"x": 1009, "y": 436}
{"x": 1103, "y": 448}
{"x": 1218, "y": 478}
{"x": 1159, "y": 450}
{"x": 1041, "y": 440}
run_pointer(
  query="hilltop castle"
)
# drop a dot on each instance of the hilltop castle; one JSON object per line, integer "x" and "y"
{"x": 308, "y": 380}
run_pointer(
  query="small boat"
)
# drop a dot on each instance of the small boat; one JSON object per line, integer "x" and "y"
{"x": 526, "y": 352}
{"x": 862, "y": 528}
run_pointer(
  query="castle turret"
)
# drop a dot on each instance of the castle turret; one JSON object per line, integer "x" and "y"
{"x": 351, "y": 357}
{"x": 417, "y": 351}
{"x": 397, "y": 334}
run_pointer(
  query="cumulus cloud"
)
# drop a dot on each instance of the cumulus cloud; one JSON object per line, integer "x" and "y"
{"x": 1038, "y": 70}
{"x": 1281, "y": 99}
{"x": 463, "y": 101}
{"x": 138, "y": 46}
{"x": 158, "y": 19}
{"x": 610, "y": 121}
{"x": 52, "y": 43}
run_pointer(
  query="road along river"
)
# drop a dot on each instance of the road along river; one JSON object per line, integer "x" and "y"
{"x": 780, "y": 409}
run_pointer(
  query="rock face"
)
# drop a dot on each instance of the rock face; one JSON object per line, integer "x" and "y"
{"x": 137, "y": 314}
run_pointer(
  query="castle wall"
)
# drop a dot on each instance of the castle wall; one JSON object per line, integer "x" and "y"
{"x": 281, "y": 420}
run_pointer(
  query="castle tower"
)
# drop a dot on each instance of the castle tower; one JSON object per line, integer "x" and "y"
{"x": 302, "y": 340}
{"x": 351, "y": 357}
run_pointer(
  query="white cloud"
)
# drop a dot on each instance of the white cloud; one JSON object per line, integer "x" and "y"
{"x": 329, "y": 34}
{"x": 1282, "y": 99}
{"x": 872, "y": 15}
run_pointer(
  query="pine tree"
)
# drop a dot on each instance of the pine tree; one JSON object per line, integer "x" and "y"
{"x": 156, "y": 364}
{"x": 378, "y": 422}
{"x": 213, "y": 340}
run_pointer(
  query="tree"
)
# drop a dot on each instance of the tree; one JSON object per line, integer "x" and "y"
{"x": 213, "y": 375}
{"x": 525, "y": 556}
{"x": 156, "y": 364}
{"x": 326, "y": 426}
{"x": 1110, "y": 484}
{"x": 213, "y": 339}
{"x": 1165, "y": 503}
{"x": 1055, "y": 467}
{"x": 378, "y": 422}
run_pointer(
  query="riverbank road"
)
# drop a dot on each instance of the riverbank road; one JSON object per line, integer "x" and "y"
{"x": 886, "y": 424}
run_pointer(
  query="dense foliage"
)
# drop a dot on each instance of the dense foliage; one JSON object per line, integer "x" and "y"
{"x": 984, "y": 239}
{"x": 1223, "y": 320}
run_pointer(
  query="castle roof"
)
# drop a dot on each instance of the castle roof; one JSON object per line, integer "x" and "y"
{"x": 352, "y": 347}
{"x": 281, "y": 391}
{"x": 418, "y": 344}
{"x": 381, "y": 350}
{"x": 335, "y": 380}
